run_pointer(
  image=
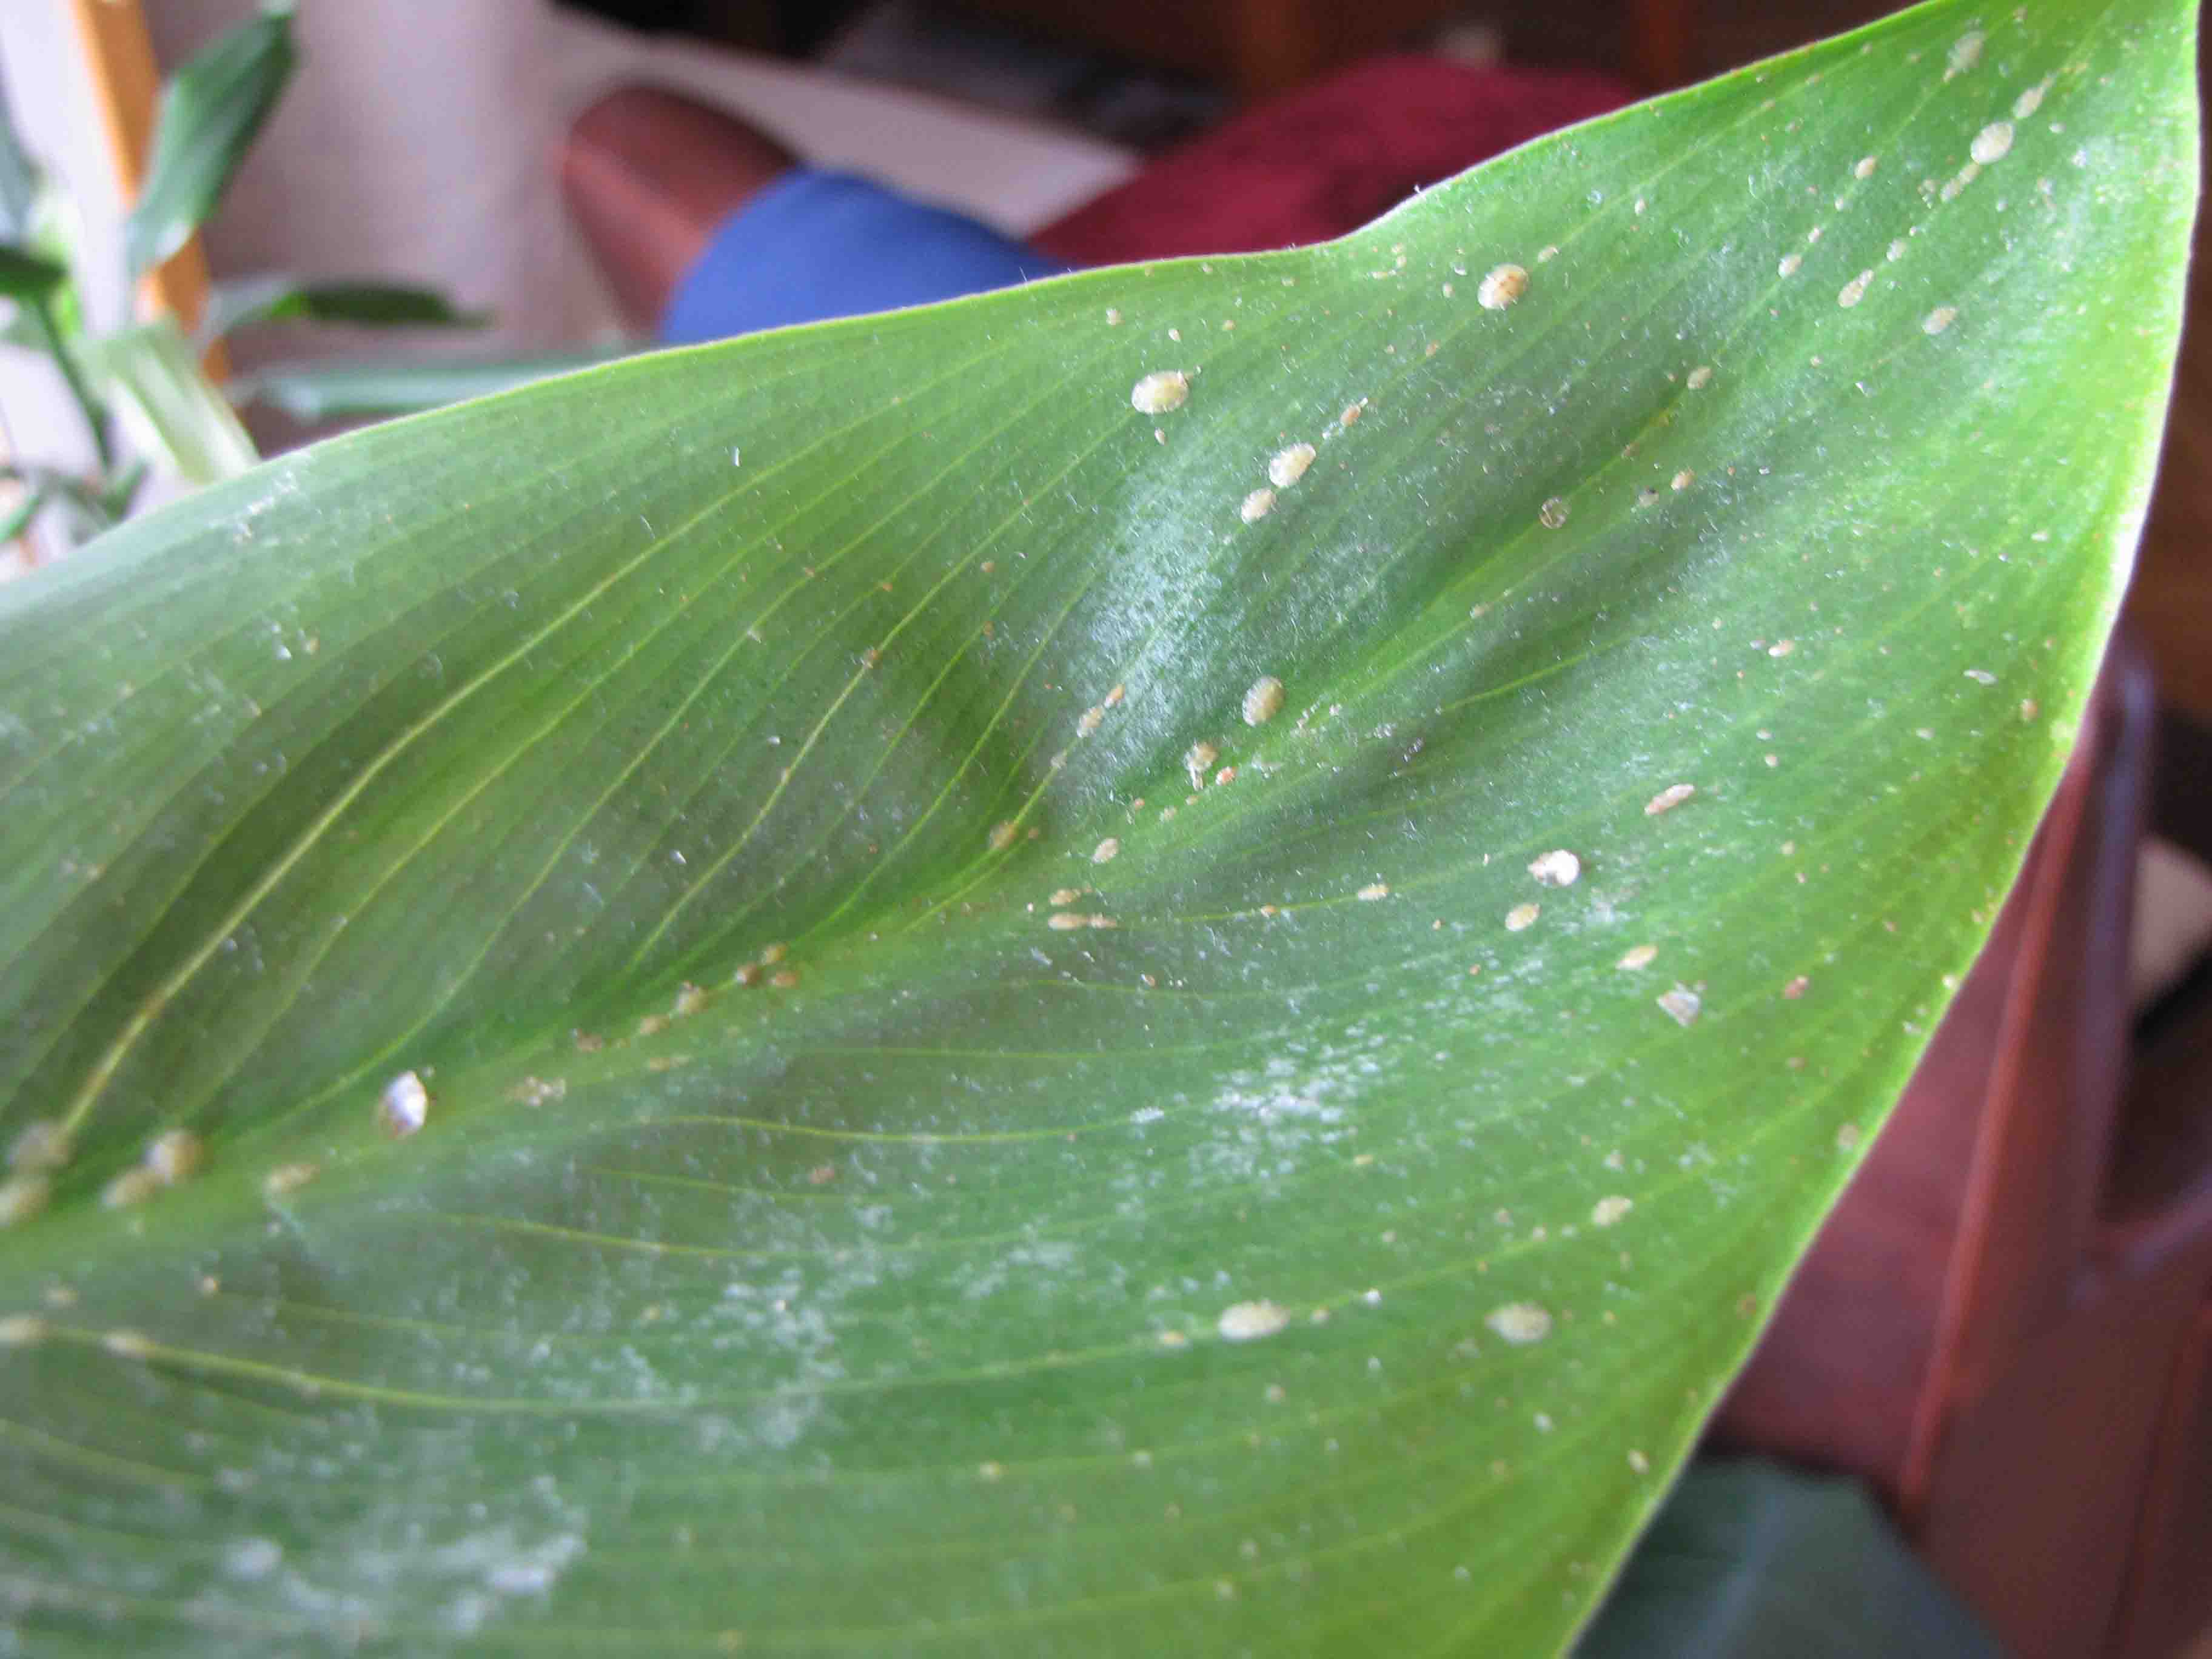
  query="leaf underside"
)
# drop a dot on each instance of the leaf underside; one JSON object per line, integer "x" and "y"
{"x": 812, "y": 1246}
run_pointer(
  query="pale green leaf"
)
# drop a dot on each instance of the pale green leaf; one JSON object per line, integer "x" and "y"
{"x": 170, "y": 408}
{"x": 673, "y": 771}
{"x": 349, "y": 389}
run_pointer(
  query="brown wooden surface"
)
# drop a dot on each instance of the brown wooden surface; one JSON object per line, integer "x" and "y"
{"x": 126, "y": 90}
{"x": 1258, "y": 48}
{"x": 2000, "y": 1328}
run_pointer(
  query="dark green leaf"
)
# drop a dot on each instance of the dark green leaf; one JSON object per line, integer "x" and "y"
{"x": 674, "y": 771}
{"x": 1749, "y": 1559}
{"x": 211, "y": 114}
{"x": 346, "y": 389}
{"x": 25, "y": 275}
{"x": 278, "y": 298}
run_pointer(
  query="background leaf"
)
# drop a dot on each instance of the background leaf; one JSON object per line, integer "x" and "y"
{"x": 211, "y": 112}
{"x": 18, "y": 178}
{"x": 172, "y": 411}
{"x": 937, "y": 1133}
{"x": 1751, "y": 1558}
{"x": 25, "y": 275}
{"x": 334, "y": 389}
{"x": 278, "y": 298}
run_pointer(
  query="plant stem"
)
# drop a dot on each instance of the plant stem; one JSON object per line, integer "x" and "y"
{"x": 95, "y": 418}
{"x": 19, "y": 520}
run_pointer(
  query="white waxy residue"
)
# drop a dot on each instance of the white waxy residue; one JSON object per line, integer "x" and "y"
{"x": 1519, "y": 1322}
{"x": 404, "y": 1105}
{"x": 1263, "y": 700}
{"x": 1246, "y": 1321}
{"x": 133, "y": 1187}
{"x": 1992, "y": 143}
{"x": 1290, "y": 465}
{"x": 1502, "y": 287}
{"x": 41, "y": 1144}
{"x": 1162, "y": 390}
{"x": 1557, "y": 868}
{"x": 174, "y": 1155}
{"x": 288, "y": 1178}
{"x": 23, "y": 1196}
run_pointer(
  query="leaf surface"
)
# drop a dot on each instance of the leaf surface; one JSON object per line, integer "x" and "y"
{"x": 938, "y": 1133}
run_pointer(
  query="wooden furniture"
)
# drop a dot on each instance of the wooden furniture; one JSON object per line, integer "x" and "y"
{"x": 126, "y": 88}
{"x": 2005, "y": 1328}
{"x": 1262, "y": 47}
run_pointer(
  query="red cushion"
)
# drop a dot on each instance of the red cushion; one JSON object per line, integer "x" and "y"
{"x": 1327, "y": 159}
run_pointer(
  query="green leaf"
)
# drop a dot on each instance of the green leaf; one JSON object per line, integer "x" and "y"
{"x": 211, "y": 114}
{"x": 1750, "y": 1559}
{"x": 21, "y": 512}
{"x": 171, "y": 409}
{"x": 115, "y": 500}
{"x": 277, "y": 298}
{"x": 344, "y": 389}
{"x": 674, "y": 770}
{"x": 18, "y": 178}
{"x": 26, "y": 274}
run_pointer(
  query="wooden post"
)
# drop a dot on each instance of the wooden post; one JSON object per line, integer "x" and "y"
{"x": 126, "y": 90}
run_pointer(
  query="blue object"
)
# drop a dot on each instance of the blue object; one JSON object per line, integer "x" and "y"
{"x": 811, "y": 244}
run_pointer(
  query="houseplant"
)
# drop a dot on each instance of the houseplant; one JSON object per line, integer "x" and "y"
{"x": 1168, "y": 963}
{"x": 152, "y": 373}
